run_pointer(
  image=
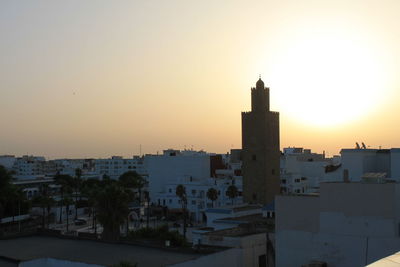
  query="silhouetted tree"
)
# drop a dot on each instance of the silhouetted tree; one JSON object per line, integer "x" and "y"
{"x": 77, "y": 183}
{"x": 181, "y": 193}
{"x": 212, "y": 194}
{"x": 112, "y": 208}
{"x": 232, "y": 192}
{"x": 90, "y": 188}
{"x": 65, "y": 182}
{"x": 133, "y": 180}
{"x": 5, "y": 189}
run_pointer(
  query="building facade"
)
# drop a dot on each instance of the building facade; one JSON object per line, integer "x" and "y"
{"x": 260, "y": 148}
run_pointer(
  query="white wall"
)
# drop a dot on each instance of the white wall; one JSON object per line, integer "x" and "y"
{"x": 165, "y": 169}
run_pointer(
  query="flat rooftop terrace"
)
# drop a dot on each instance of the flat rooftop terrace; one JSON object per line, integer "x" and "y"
{"x": 28, "y": 248}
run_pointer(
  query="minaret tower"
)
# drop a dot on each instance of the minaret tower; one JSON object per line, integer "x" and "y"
{"x": 260, "y": 148}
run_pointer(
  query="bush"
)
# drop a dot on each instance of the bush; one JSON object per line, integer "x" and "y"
{"x": 159, "y": 233}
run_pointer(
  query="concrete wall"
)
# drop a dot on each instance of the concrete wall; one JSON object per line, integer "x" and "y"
{"x": 232, "y": 257}
{"x": 48, "y": 262}
{"x": 336, "y": 250}
{"x": 350, "y": 224}
{"x": 359, "y": 199}
{"x": 297, "y": 213}
{"x": 395, "y": 163}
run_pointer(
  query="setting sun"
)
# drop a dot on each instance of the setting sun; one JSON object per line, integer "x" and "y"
{"x": 329, "y": 77}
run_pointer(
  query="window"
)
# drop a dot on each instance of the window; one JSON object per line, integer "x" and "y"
{"x": 193, "y": 202}
{"x": 283, "y": 181}
{"x": 193, "y": 192}
{"x": 170, "y": 190}
{"x": 170, "y": 201}
{"x": 297, "y": 180}
{"x": 254, "y": 157}
{"x": 273, "y": 171}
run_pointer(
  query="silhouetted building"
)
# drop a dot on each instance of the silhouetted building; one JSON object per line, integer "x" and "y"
{"x": 261, "y": 154}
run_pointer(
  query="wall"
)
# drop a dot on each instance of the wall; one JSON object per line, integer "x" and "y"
{"x": 163, "y": 170}
{"x": 395, "y": 163}
{"x": 48, "y": 262}
{"x": 297, "y": 213}
{"x": 231, "y": 257}
{"x": 337, "y": 250}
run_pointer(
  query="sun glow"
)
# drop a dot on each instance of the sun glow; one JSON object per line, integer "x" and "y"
{"x": 328, "y": 79}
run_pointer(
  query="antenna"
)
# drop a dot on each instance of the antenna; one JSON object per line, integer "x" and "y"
{"x": 363, "y": 145}
{"x": 140, "y": 149}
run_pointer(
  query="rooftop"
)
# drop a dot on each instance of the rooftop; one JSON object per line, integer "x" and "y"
{"x": 89, "y": 251}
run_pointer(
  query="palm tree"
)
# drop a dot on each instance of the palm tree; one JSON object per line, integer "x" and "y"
{"x": 90, "y": 187}
{"x": 50, "y": 202}
{"x": 232, "y": 192}
{"x": 212, "y": 194}
{"x": 65, "y": 181}
{"x": 133, "y": 180}
{"x": 67, "y": 201}
{"x": 77, "y": 183}
{"x": 181, "y": 193}
{"x": 5, "y": 189}
{"x": 112, "y": 204}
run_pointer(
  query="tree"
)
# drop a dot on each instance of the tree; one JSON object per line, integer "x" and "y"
{"x": 65, "y": 182}
{"x": 67, "y": 201}
{"x": 77, "y": 183}
{"x": 133, "y": 180}
{"x": 112, "y": 208}
{"x": 232, "y": 192}
{"x": 212, "y": 194}
{"x": 90, "y": 188}
{"x": 181, "y": 193}
{"x": 5, "y": 189}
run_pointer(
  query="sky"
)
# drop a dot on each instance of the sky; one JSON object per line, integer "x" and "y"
{"x": 99, "y": 78}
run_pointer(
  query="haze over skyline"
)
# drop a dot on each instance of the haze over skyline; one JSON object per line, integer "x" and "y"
{"x": 84, "y": 80}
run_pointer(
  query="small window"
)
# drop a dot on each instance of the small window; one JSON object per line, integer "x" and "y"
{"x": 170, "y": 190}
{"x": 193, "y": 202}
{"x": 193, "y": 192}
{"x": 170, "y": 201}
{"x": 273, "y": 171}
{"x": 254, "y": 157}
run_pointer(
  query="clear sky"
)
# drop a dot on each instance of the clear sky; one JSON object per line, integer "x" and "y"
{"x": 99, "y": 78}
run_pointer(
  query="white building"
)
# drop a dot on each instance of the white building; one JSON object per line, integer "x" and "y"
{"x": 302, "y": 171}
{"x": 7, "y": 161}
{"x": 197, "y": 171}
{"x": 175, "y": 166}
{"x": 196, "y": 191}
{"x": 29, "y": 167}
{"x": 116, "y": 166}
{"x": 359, "y": 161}
{"x": 348, "y": 224}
